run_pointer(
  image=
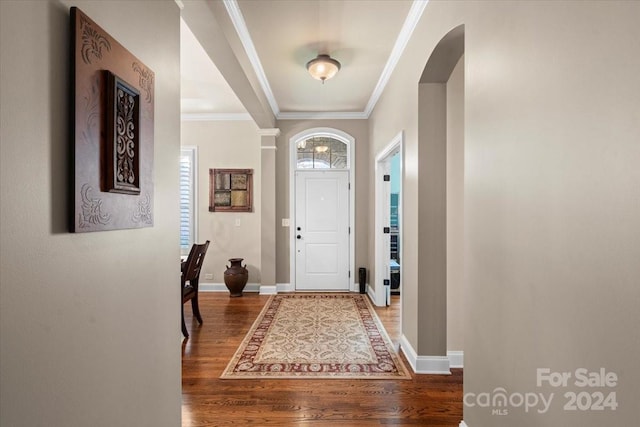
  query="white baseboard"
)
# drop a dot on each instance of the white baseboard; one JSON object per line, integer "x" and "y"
{"x": 251, "y": 287}
{"x": 434, "y": 365}
{"x": 356, "y": 287}
{"x": 456, "y": 359}
{"x": 438, "y": 365}
{"x": 372, "y": 295}
{"x": 285, "y": 287}
{"x": 221, "y": 287}
{"x": 379, "y": 298}
{"x": 288, "y": 287}
{"x": 274, "y": 289}
{"x": 268, "y": 289}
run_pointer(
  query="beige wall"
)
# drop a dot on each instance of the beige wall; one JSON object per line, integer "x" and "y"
{"x": 227, "y": 144}
{"x": 432, "y": 224}
{"x": 358, "y": 130}
{"x": 551, "y": 208}
{"x": 397, "y": 112}
{"x": 551, "y": 204}
{"x": 455, "y": 208}
{"x": 90, "y": 323}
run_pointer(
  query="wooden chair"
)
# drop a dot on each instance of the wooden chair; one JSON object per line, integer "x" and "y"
{"x": 189, "y": 281}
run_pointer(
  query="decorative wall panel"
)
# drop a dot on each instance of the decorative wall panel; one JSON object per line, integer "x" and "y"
{"x": 112, "y": 168}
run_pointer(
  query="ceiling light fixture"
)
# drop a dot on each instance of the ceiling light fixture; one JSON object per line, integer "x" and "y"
{"x": 323, "y": 67}
{"x": 321, "y": 148}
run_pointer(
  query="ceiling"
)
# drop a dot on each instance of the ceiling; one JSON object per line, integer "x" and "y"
{"x": 203, "y": 89}
{"x": 272, "y": 41}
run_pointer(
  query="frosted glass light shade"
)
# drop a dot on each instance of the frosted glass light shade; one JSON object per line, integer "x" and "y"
{"x": 323, "y": 67}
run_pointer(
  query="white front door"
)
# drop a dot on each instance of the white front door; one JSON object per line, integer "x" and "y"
{"x": 322, "y": 230}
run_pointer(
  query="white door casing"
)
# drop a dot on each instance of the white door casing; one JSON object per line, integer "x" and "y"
{"x": 386, "y": 224}
{"x": 350, "y": 168}
{"x": 382, "y": 213}
{"x": 322, "y": 230}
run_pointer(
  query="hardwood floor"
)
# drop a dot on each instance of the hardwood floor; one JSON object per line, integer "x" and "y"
{"x": 426, "y": 400}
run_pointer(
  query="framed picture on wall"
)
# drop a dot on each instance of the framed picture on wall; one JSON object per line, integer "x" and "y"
{"x": 230, "y": 190}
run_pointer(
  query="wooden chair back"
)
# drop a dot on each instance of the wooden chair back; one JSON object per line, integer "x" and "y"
{"x": 191, "y": 275}
{"x": 193, "y": 265}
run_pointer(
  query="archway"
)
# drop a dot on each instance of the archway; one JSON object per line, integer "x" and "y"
{"x": 432, "y": 354}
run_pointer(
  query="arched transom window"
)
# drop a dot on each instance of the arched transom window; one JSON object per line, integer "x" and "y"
{"x": 322, "y": 152}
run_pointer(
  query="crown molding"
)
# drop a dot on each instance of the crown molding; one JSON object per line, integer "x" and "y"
{"x": 319, "y": 115}
{"x": 409, "y": 25}
{"x": 243, "y": 33}
{"x": 417, "y": 8}
{"x": 214, "y": 117}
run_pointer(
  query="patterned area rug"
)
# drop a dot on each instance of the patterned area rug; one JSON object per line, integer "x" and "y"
{"x": 317, "y": 336}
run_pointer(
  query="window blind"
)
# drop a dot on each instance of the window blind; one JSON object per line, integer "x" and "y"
{"x": 187, "y": 199}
